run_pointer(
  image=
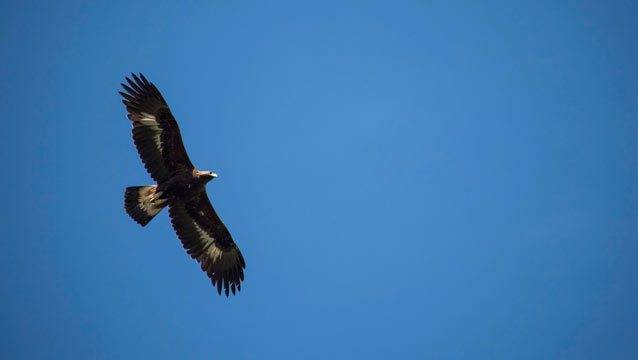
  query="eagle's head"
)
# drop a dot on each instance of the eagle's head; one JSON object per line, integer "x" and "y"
{"x": 207, "y": 175}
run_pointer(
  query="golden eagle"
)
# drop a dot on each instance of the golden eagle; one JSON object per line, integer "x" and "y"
{"x": 180, "y": 186}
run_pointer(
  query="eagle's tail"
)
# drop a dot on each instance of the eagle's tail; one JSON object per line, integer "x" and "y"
{"x": 142, "y": 203}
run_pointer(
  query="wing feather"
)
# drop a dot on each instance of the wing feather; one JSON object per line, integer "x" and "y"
{"x": 155, "y": 132}
{"x": 207, "y": 240}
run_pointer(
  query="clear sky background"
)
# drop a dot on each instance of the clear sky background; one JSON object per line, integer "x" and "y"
{"x": 405, "y": 179}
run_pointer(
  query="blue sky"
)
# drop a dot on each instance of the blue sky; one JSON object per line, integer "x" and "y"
{"x": 420, "y": 180}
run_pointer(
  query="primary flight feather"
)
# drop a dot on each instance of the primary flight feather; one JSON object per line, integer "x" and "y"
{"x": 180, "y": 186}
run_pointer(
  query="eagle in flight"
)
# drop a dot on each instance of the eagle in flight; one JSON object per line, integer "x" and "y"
{"x": 180, "y": 186}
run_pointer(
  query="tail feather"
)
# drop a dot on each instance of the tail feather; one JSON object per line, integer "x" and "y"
{"x": 142, "y": 203}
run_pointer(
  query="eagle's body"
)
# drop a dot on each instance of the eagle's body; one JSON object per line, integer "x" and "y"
{"x": 184, "y": 185}
{"x": 180, "y": 186}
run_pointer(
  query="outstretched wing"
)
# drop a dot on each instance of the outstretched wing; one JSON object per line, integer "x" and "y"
{"x": 155, "y": 131}
{"x": 208, "y": 241}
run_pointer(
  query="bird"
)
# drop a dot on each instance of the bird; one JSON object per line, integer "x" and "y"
{"x": 180, "y": 186}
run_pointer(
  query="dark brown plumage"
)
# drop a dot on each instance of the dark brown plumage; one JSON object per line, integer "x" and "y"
{"x": 180, "y": 186}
